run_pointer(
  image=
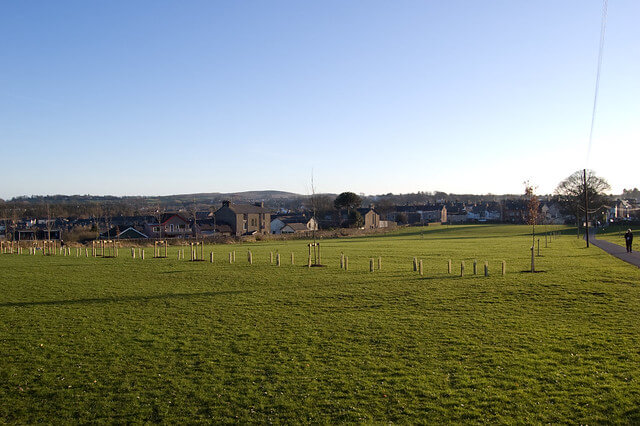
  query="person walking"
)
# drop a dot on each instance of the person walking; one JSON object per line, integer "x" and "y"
{"x": 628, "y": 238}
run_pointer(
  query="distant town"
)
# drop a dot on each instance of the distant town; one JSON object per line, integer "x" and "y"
{"x": 84, "y": 218}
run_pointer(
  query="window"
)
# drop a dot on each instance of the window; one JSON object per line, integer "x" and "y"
{"x": 156, "y": 229}
{"x": 253, "y": 222}
{"x": 171, "y": 228}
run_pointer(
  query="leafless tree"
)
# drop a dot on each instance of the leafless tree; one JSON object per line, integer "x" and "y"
{"x": 158, "y": 213}
{"x": 570, "y": 194}
{"x": 194, "y": 213}
{"x": 49, "y": 222}
{"x": 96, "y": 212}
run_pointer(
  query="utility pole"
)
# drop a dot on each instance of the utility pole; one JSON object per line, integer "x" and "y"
{"x": 586, "y": 207}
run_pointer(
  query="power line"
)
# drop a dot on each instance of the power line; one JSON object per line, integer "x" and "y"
{"x": 603, "y": 27}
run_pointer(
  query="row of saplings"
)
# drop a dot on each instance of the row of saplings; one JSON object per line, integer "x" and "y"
{"x": 110, "y": 249}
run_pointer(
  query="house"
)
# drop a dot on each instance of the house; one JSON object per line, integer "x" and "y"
{"x": 457, "y": 215}
{"x": 370, "y": 216}
{"x": 34, "y": 233}
{"x": 484, "y": 212}
{"x": 420, "y": 214}
{"x": 620, "y": 210}
{"x": 130, "y": 233}
{"x": 171, "y": 225}
{"x": 244, "y": 219}
{"x": 433, "y": 213}
{"x": 294, "y": 228}
{"x": 514, "y": 211}
{"x": 550, "y": 214}
{"x": 278, "y": 223}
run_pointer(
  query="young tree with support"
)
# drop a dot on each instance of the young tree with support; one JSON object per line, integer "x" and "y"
{"x": 533, "y": 205}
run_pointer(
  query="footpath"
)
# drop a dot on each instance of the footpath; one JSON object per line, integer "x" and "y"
{"x": 616, "y": 250}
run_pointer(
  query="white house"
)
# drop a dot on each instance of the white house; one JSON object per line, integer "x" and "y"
{"x": 278, "y": 224}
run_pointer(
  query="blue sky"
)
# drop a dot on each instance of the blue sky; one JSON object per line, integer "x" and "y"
{"x": 165, "y": 97}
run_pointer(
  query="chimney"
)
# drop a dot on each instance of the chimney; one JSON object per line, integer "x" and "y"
{"x": 226, "y": 203}
{"x": 260, "y": 204}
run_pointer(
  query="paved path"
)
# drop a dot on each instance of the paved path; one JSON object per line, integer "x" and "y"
{"x": 615, "y": 250}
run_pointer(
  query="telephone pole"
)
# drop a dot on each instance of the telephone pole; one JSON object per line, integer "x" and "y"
{"x": 586, "y": 207}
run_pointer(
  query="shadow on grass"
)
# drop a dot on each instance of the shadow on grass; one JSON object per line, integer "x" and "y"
{"x": 121, "y": 299}
{"x": 528, "y": 271}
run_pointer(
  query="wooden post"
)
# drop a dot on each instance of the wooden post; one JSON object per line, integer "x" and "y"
{"x": 504, "y": 267}
{"x": 538, "y": 247}
{"x": 462, "y": 268}
{"x": 545, "y": 240}
{"x": 415, "y": 264}
{"x": 230, "y": 258}
{"x": 234, "y": 256}
{"x": 277, "y": 259}
{"x": 346, "y": 263}
{"x": 210, "y": 257}
{"x": 533, "y": 261}
{"x": 371, "y": 265}
{"x": 293, "y": 262}
{"x": 420, "y": 268}
{"x": 309, "y": 261}
{"x": 165, "y": 248}
{"x": 379, "y": 263}
{"x": 271, "y": 257}
{"x": 86, "y": 252}
{"x": 486, "y": 269}
{"x": 475, "y": 267}
{"x": 449, "y": 266}
{"x": 201, "y": 250}
{"x": 142, "y": 254}
{"x": 249, "y": 257}
{"x": 341, "y": 260}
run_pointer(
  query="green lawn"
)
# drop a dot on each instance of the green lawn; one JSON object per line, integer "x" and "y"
{"x": 124, "y": 340}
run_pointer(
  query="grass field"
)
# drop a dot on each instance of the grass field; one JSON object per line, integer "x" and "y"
{"x": 124, "y": 340}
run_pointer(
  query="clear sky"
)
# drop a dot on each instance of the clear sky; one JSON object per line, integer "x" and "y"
{"x": 164, "y": 97}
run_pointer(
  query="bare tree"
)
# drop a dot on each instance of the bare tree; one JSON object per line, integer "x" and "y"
{"x": 96, "y": 213}
{"x": 194, "y": 214}
{"x": 49, "y": 222}
{"x": 158, "y": 213}
{"x": 572, "y": 192}
{"x": 107, "y": 213}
